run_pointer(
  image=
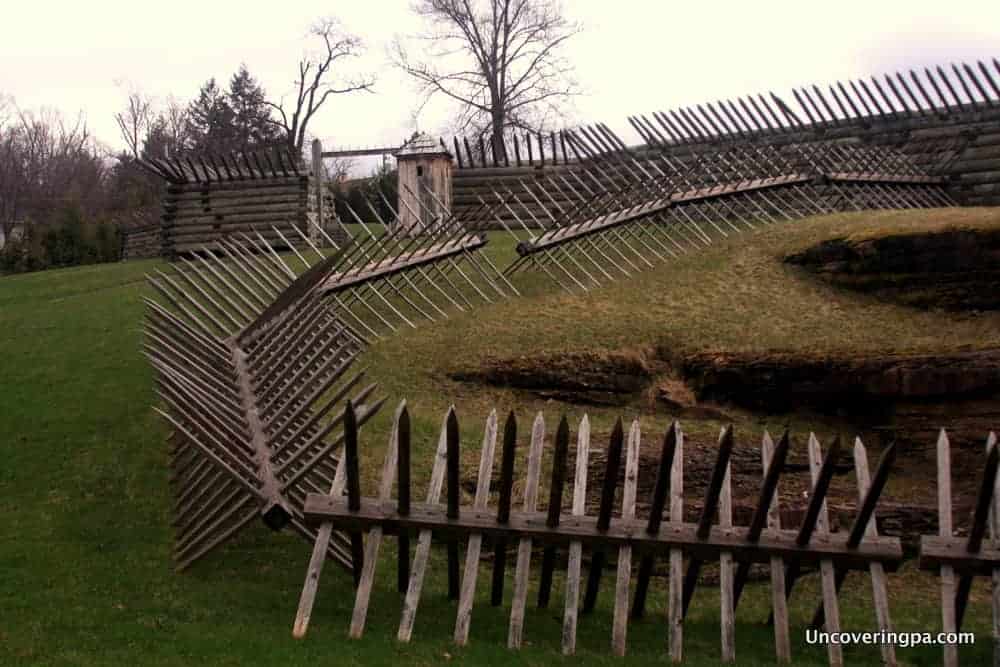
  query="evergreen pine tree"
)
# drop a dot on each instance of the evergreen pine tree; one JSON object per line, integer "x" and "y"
{"x": 210, "y": 120}
{"x": 252, "y": 126}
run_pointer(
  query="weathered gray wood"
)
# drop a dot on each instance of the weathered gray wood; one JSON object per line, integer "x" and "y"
{"x": 995, "y": 576}
{"x": 412, "y": 600}
{"x": 880, "y": 592}
{"x": 364, "y": 590}
{"x": 521, "y": 571}
{"x": 316, "y": 561}
{"x": 675, "y": 595}
{"x": 318, "y": 173}
{"x": 624, "y": 574}
{"x": 779, "y": 599}
{"x": 472, "y": 552}
{"x": 576, "y": 547}
{"x": 948, "y": 621}
{"x": 524, "y": 525}
{"x": 728, "y": 624}
{"x": 831, "y": 609}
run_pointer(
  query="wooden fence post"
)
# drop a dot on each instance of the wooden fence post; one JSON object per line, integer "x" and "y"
{"x": 317, "y": 170}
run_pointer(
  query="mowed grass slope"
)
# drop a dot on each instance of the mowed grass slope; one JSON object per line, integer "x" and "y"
{"x": 85, "y": 572}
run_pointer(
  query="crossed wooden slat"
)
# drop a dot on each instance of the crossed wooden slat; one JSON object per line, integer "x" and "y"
{"x": 251, "y": 365}
{"x": 618, "y": 211}
{"x": 961, "y": 559}
{"x": 734, "y": 547}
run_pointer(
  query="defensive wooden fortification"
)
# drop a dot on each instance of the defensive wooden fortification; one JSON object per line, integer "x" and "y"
{"x": 637, "y": 543}
{"x": 948, "y": 123}
{"x": 253, "y": 355}
{"x": 209, "y": 197}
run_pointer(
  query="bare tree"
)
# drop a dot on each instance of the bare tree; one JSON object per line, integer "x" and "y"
{"x": 46, "y": 165}
{"x": 317, "y": 81}
{"x": 135, "y": 120}
{"x": 499, "y": 60}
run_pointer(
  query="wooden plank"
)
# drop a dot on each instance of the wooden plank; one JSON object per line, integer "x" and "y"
{"x": 779, "y": 600}
{"x": 454, "y": 496}
{"x": 708, "y": 510}
{"x": 521, "y": 571}
{"x": 576, "y": 547}
{"x": 948, "y": 621}
{"x": 727, "y": 606}
{"x": 658, "y": 502}
{"x": 624, "y": 575}
{"x": 995, "y": 575}
{"x": 554, "y": 509}
{"x": 675, "y": 595}
{"x": 503, "y": 505}
{"x": 609, "y": 484}
{"x": 828, "y": 584}
{"x": 363, "y": 594}
{"x": 316, "y": 561}
{"x": 412, "y": 600}
{"x": 403, "y": 502}
{"x": 937, "y": 552}
{"x": 880, "y": 593}
{"x": 427, "y": 516}
{"x": 468, "y": 593}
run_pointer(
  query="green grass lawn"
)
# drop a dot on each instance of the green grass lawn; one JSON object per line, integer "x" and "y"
{"x": 85, "y": 571}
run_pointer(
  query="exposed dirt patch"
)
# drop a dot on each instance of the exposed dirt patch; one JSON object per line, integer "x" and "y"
{"x": 782, "y": 382}
{"x": 596, "y": 378}
{"x": 587, "y": 378}
{"x": 906, "y": 398}
{"x": 950, "y": 269}
{"x": 903, "y": 398}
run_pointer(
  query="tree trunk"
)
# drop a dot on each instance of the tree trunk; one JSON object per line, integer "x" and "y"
{"x": 498, "y": 118}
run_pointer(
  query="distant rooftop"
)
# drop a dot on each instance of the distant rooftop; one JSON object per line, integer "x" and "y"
{"x": 421, "y": 144}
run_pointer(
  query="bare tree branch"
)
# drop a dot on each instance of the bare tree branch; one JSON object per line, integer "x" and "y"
{"x": 315, "y": 83}
{"x": 499, "y": 61}
{"x": 135, "y": 120}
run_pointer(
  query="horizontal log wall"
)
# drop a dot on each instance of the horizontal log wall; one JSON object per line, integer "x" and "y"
{"x": 141, "y": 242}
{"x": 200, "y": 214}
{"x": 973, "y": 175}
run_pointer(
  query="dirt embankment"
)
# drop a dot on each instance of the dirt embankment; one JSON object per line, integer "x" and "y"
{"x": 951, "y": 270}
{"x": 586, "y": 378}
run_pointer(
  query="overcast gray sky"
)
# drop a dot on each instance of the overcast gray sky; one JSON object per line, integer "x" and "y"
{"x": 633, "y": 55}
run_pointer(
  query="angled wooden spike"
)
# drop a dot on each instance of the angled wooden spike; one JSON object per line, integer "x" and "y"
{"x": 610, "y": 483}
{"x": 779, "y": 605}
{"x": 948, "y": 620}
{"x": 620, "y": 622}
{"x": 661, "y": 490}
{"x": 817, "y": 467}
{"x": 454, "y": 494}
{"x": 984, "y": 499}
{"x": 726, "y": 600}
{"x": 709, "y": 509}
{"x": 422, "y": 554}
{"x": 464, "y": 617}
{"x": 675, "y": 594}
{"x": 315, "y": 569}
{"x": 520, "y": 594}
{"x": 994, "y": 522}
{"x": 403, "y": 498}
{"x": 554, "y": 508}
{"x": 576, "y": 548}
{"x": 503, "y": 506}
{"x": 363, "y": 593}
